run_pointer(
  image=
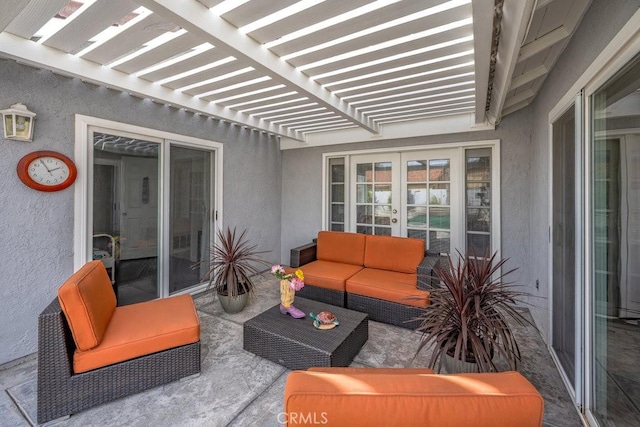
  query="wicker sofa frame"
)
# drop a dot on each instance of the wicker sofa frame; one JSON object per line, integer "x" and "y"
{"x": 378, "y": 310}
{"x": 62, "y": 393}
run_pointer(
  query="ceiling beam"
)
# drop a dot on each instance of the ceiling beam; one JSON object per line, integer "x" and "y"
{"x": 528, "y": 77}
{"x": 482, "y": 41}
{"x": 455, "y": 123}
{"x": 197, "y": 19}
{"x": 30, "y": 53}
{"x": 538, "y": 45}
{"x": 515, "y": 19}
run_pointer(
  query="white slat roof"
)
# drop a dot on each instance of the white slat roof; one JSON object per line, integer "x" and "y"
{"x": 308, "y": 70}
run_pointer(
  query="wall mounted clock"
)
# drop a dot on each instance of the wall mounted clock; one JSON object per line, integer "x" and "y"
{"x": 47, "y": 171}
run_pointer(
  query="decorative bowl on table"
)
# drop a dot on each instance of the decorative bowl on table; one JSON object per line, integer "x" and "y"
{"x": 324, "y": 320}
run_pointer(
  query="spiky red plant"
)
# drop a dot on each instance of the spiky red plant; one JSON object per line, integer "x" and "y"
{"x": 467, "y": 315}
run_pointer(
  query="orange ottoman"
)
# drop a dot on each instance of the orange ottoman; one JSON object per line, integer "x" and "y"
{"x": 410, "y": 397}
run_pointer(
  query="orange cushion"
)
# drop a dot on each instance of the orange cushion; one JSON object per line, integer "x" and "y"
{"x": 363, "y": 371}
{"x": 401, "y": 254}
{"x": 338, "y": 246}
{"x": 389, "y": 286}
{"x": 382, "y": 399}
{"x": 88, "y": 302}
{"x": 140, "y": 329}
{"x": 328, "y": 275}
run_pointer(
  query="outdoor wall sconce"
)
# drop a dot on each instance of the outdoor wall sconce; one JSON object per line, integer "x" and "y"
{"x": 18, "y": 123}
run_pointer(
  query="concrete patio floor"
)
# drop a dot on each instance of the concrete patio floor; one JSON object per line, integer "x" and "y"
{"x": 237, "y": 388}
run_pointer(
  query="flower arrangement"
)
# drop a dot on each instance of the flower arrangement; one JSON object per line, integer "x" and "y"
{"x": 296, "y": 280}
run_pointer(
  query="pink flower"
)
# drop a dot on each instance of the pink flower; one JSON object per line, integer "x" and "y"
{"x": 296, "y": 284}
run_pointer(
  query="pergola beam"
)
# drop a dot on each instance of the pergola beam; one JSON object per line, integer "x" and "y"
{"x": 30, "y": 53}
{"x": 482, "y": 41}
{"x": 197, "y": 19}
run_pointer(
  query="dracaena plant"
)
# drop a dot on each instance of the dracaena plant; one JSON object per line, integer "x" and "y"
{"x": 233, "y": 262}
{"x": 468, "y": 315}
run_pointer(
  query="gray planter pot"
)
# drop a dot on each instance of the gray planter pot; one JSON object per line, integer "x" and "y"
{"x": 455, "y": 366}
{"x": 233, "y": 305}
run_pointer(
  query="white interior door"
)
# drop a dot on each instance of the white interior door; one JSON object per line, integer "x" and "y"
{"x": 139, "y": 208}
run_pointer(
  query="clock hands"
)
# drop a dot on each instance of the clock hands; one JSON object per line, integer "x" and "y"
{"x": 45, "y": 166}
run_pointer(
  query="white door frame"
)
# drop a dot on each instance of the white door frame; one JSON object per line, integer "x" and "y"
{"x": 83, "y": 188}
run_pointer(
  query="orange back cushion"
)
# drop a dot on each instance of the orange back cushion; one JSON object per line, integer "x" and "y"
{"x": 338, "y": 246}
{"x": 400, "y": 254}
{"x": 88, "y": 302}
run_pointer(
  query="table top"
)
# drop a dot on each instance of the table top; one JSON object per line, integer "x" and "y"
{"x": 302, "y": 330}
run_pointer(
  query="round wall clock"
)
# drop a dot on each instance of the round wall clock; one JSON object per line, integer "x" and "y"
{"x": 47, "y": 171}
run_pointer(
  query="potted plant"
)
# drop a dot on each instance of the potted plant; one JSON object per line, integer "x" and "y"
{"x": 466, "y": 322}
{"x": 233, "y": 263}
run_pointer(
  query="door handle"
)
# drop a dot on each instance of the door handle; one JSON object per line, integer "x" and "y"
{"x": 395, "y": 211}
{"x": 394, "y": 220}
{"x": 124, "y": 214}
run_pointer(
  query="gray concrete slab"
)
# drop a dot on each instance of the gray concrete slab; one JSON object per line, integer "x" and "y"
{"x": 237, "y": 388}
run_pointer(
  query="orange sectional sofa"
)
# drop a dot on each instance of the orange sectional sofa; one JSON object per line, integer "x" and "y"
{"x": 378, "y": 275}
{"x": 409, "y": 397}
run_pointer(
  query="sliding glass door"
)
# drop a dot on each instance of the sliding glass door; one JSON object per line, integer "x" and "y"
{"x": 189, "y": 216}
{"x": 150, "y": 205}
{"x": 615, "y": 249}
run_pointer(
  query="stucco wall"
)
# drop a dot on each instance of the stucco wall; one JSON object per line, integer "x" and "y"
{"x": 600, "y": 24}
{"x": 302, "y": 187}
{"x": 36, "y": 229}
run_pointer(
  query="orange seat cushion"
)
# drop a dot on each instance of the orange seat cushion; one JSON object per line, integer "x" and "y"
{"x": 88, "y": 303}
{"x": 384, "y": 399}
{"x": 338, "y": 246}
{"x": 363, "y": 371}
{"x": 401, "y": 254}
{"x": 326, "y": 274}
{"x": 388, "y": 286}
{"x": 140, "y": 329}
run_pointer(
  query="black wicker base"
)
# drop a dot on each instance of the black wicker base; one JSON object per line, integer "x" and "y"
{"x": 61, "y": 393}
{"x": 385, "y": 311}
{"x": 328, "y": 296}
{"x": 297, "y": 344}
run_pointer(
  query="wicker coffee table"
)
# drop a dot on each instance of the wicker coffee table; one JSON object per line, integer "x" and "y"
{"x": 297, "y": 344}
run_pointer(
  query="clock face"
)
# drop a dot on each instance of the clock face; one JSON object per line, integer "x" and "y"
{"x": 47, "y": 171}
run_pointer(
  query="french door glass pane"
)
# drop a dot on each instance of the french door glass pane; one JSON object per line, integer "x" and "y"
{"x": 337, "y": 202}
{"x": 439, "y": 170}
{"x": 189, "y": 218}
{"x": 125, "y": 214}
{"x": 478, "y": 200}
{"x": 615, "y": 209}
{"x": 428, "y": 201}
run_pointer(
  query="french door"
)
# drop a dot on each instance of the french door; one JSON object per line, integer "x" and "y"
{"x": 415, "y": 194}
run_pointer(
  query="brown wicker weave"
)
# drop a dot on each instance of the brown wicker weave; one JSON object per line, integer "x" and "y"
{"x": 379, "y": 310}
{"x": 297, "y": 344}
{"x": 62, "y": 393}
{"x": 386, "y": 311}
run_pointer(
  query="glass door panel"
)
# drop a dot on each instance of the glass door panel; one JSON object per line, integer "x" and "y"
{"x": 189, "y": 216}
{"x": 563, "y": 221}
{"x": 615, "y": 213}
{"x": 376, "y": 194}
{"x": 428, "y": 204}
{"x": 125, "y": 214}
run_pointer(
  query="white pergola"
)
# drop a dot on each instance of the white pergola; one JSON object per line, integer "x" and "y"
{"x": 312, "y": 72}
